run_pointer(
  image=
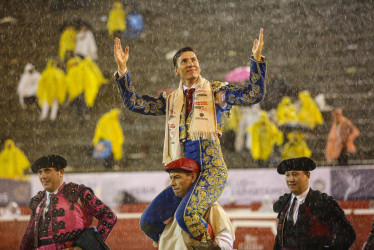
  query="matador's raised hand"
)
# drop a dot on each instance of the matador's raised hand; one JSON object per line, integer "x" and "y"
{"x": 120, "y": 56}
{"x": 257, "y": 46}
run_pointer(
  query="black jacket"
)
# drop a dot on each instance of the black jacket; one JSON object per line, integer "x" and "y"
{"x": 369, "y": 245}
{"x": 320, "y": 223}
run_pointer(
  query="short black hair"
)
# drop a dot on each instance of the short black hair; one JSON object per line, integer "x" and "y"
{"x": 179, "y": 52}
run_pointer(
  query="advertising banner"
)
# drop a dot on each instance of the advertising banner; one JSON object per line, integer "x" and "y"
{"x": 244, "y": 186}
{"x": 352, "y": 183}
{"x": 113, "y": 188}
{"x": 18, "y": 191}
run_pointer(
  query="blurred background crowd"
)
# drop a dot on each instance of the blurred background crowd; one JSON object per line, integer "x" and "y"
{"x": 58, "y": 96}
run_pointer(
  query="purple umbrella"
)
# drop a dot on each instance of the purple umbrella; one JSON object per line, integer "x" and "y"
{"x": 239, "y": 74}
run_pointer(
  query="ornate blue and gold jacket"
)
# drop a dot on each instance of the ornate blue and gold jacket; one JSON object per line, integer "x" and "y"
{"x": 233, "y": 95}
{"x": 206, "y": 152}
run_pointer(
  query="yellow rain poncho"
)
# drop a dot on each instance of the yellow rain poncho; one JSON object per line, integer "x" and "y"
{"x": 233, "y": 122}
{"x": 51, "y": 84}
{"x": 83, "y": 77}
{"x": 264, "y": 136}
{"x": 286, "y": 111}
{"x": 13, "y": 162}
{"x": 67, "y": 41}
{"x": 117, "y": 19}
{"x": 296, "y": 146}
{"x": 309, "y": 113}
{"x": 75, "y": 78}
{"x": 109, "y": 128}
{"x": 93, "y": 82}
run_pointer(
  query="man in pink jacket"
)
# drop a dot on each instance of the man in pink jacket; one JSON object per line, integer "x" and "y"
{"x": 61, "y": 213}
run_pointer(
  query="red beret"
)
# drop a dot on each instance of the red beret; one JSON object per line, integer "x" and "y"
{"x": 183, "y": 164}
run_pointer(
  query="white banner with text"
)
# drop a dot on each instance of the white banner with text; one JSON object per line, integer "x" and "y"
{"x": 244, "y": 186}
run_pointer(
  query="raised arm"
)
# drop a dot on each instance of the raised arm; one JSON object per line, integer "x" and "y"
{"x": 255, "y": 91}
{"x": 121, "y": 56}
{"x": 145, "y": 104}
{"x": 257, "y": 46}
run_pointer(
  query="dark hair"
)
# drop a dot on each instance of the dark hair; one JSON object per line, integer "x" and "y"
{"x": 179, "y": 52}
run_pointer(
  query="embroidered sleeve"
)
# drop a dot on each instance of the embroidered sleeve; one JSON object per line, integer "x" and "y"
{"x": 105, "y": 216}
{"x": 327, "y": 209}
{"x": 342, "y": 228}
{"x": 145, "y": 104}
{"x": 28, "y": 237}
{"x": 254, "y": 92}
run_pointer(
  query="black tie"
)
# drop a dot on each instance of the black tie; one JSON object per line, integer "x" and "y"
{"x": 290, "y": 214}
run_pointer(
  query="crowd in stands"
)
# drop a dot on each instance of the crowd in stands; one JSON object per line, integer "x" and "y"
{"x": 274, "y": 132}
{"x": 73, "y": 77}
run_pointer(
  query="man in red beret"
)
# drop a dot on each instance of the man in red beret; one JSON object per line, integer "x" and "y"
{"x": 307, "y": 218}
{"x": 183, "y": 175}
{"x": 62, "y": 214}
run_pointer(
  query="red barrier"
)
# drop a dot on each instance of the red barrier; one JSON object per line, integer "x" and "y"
{"x": 252, "y": 230}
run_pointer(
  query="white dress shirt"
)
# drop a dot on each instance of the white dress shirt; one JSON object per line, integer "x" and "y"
{"x": 300, "y": 200}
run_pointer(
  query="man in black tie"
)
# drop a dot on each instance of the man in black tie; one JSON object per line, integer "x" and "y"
{"x": 308, "y": 219}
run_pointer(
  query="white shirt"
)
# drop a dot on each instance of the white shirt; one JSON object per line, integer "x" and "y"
{"x": 185, "y": 88}
{"x": 300, "y": 200}
{"x": 172, "y": 236}
{"x": 48, "y": 201}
